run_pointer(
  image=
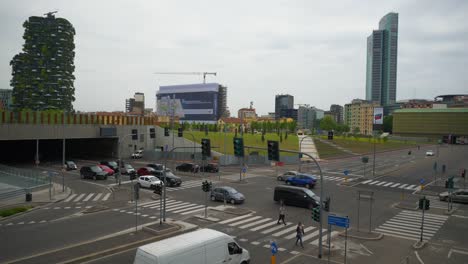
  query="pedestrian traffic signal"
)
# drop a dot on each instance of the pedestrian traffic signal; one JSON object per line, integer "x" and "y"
{"x": 206, "y": 147}
{"x": 206, "y": 186}
{"x": 326, "y": 204}
{"x": 273, "y": 150}
{"x": 424, "y": 204}
{"x": 316, "y": 214}
{"x": 166, "y": 131}
{"x": 238, "y": 147}
{"x": 180, "y": 132}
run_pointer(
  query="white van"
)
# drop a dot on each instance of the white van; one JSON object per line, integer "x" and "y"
{"x": 197, "y": 247}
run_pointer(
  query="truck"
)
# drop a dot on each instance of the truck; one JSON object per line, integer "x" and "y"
{"x": 196, "y": 247}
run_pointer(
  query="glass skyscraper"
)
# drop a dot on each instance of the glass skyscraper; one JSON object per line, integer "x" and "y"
{"x": 381, "y": 70}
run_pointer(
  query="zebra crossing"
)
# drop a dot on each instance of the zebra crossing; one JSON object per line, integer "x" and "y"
{"x": 87, "y": 197}
{"x": 260, "y": 226}
{"x": 407, "y": 225}
{"x": 23, "y": 223}
{"x": 396, "y": 185}
{"x": 436, "y": 203}
{"x": 188, "y": 185}
{"x": 173, "y": 206}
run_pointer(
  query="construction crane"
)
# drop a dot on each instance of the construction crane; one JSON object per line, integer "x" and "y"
{"x": 48, "y": 14}
{"x": 190, "y": 73}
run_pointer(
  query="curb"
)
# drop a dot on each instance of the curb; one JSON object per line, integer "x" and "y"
{"x": 378, "y": 237}
{"x": 419, "y": 245}
{"x": 234, "y": 213}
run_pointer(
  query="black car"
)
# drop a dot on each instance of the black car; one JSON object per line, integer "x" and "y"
{"x": 171, "y": 179}
{"x": 297, "y": 196}
{"x": 93, "y": 172}
{"x": 188, "y": 167}
{"x": 70, "y": 165}
{"x": 210, "y": 167}
{"x": 111, "y": 164}
{"x": 156, "y": 166}
{"x": 229, "y": 194}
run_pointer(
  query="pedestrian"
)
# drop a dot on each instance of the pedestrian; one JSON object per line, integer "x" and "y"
{"x": 299, "y": 233}
{"x": 418, "y": 147}
{"x": 282, "y": 213}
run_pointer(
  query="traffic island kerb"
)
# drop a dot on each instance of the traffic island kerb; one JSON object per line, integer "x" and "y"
{"x": 371, "y": 236}
{"x": 419, "y": 245}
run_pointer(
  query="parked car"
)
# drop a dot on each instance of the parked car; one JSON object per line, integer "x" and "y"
{"x": 171, "y": 179}
{"x": 188, "y": 167}
{"x": 287, "y": 175}
{"x": 109, "y": 171}
{"x": 229, "y": 194}
{"x": 429, "y": 153}
{"x": 305, "y": 180}
{"x": 111, "y": 164}
{"x": 156, "y": 166}
{"x": 458, "y": 196}
{"x": 146, "y": 171}
{"x": 197, "y": 247}
{"x": 70, "y": 165}
{"x": 298, "y": 196}
{"x": 210, "y": 167}
{"x": 127, "y": 169}
{"x": 149, "y": 181}
{"x": 137, "y": 154}
{"x": 92, "y": 172}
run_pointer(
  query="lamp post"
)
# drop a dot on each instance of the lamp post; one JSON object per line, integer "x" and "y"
{"x": 119, "y": 163}
{"x": 300, "y": 149}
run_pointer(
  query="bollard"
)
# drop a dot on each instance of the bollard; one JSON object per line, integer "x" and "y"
{"x": 273, "y": 259}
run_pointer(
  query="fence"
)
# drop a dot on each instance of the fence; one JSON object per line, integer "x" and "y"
{"x": 18, "y": 181}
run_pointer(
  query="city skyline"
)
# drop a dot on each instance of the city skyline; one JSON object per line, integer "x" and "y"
{"x": 287, "y": 48}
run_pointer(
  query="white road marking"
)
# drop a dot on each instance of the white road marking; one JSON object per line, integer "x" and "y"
{"x": 263, "y": 226}
{"x": 193, "y": 211}
{"x": 106, "y": 197}
{"x": 88, "y": 197}
{"x": 79, "y": 197}
{"x": 284, "y": 231}
{"x": 381, "y": 183}
{"x": 254, "y": 243}
{"x": 182, "y": 210}
{"x": 70, "y": 197}
{"x": 395, "y": 185}
{"x": 97, "y": 197}
{"x": 255, "y": 223}
{"x": 403, "y": 186}
{"x": 245, "y": 221}
{"x": 235, "y": 219}
{"x": 275, "y": 228}
{"x": 390, "y": 183}
{"x": 419, "y": 258}
{"x": 305, "y": 231}
{"x": 456, "y": 251}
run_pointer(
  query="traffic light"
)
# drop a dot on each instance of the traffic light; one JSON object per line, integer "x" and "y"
{"x": 326, "y": 204}
{"x": 449, "y": 183}
{"x": 166, "y": 131}
{"x": 316, "y": 214}
{"x": 273, "y": 150}
{"x": 239, "y": 147}
{"x": 424, "y": 204}
{"x": 152, "y": 133}
{"x": 134, "y": 134}
{"x": 206, "y": 147}
{"x": 180, "y": 132}
{"x": 330, "y": 135}
{"x": 463, "y": 173}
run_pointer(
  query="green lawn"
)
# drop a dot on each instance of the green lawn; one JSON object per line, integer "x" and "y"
{"x": 219, "y": 138}
{"x": 366, "y": 145}
{"x": 327, "y": 151}
{"x": 15, "y": 210}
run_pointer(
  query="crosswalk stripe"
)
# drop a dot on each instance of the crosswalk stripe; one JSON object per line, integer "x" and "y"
{"x": 411, "y": 187}
{"x": 176, "y": 205}
{"x": 193, "y": 211}
{"x": 263, "y": 226}
{"x": 402, "y": 235}
{"x": 157, "y": 203}
{"x": 234, "y": 219}
{"x": 245, "y": 221}
{"x": 410, "y": 231}
{"x": 79, "y": 197}
{"x": 403, "y": 186}
{"x": 179, "y": 207}
{"x": 390, "y": 183}
{"x": 366, "y": 182}
{"x": 275, "y": 228}
{"x": 426, "y": 216}
{"x": 441, "y": 217}
{"x": 182, "y": 210}
{"x": 287, "y": 230}
{"x": 255, "y": 223}
{"x": 374, "y": 182}
{"x": 167, "y": 203}
{"x": 311, "y": 235}
{"x": 415, "y": 226}
{"x": 88, "y": 197}
{"x": 307, "y": 229}
{"x": 395, "y": 185}
{"x": 70, "y": 197}
{"x": 324, "y": 237}
{"x": 106, "y": 197}
{"x": 97, "y": 197}
{"x": 381, "y": 183}
{"x": 406, "y": 218}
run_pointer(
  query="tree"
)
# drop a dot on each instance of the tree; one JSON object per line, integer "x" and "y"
{"x": 327, "y": 123}
{"x": 388, "y": 124}
{"x": 356, "y": 130}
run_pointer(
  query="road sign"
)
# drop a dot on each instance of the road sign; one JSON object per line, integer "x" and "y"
{"x": 274, "y": 248}
{"x": 338, "y": 221}
{"x": 421, "y": 181}
{"x": 346, "y": 172}
{"x": 244, "y": 170}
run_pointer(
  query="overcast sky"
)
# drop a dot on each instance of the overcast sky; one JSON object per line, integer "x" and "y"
{"x": 313, "y": 50}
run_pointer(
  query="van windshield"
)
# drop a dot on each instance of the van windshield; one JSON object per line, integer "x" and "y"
{"x": 311, "y": 194}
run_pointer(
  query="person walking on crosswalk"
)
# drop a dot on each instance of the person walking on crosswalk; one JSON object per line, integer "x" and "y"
{"x": 299, "y": 233}
{"x": 282, "y": 213}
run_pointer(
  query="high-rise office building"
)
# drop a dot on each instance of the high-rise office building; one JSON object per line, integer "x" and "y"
{"x": 135, "y": 105}
{"x": 283, "y": 101}
{"x": 381, "y": 69}
{"x": 337, "y": 112}
{"x": 5, "y": 99}
{"x": 43, "y": 73}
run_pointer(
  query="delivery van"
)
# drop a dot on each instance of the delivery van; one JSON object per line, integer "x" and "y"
{"x": 197, "y": 247}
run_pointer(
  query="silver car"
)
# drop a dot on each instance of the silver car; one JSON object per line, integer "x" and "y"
{"x": 458, "y": 196}
{"x": 287, "y": 175}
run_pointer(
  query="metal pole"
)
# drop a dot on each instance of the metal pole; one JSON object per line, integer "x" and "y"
{"x": 373, "y": 165}
{"x": 358, "y": 206}
{"x": 370, "y": 213}
{"x": 206, "y": 204}
{"x": 345, "y": 244}
{"x": 329, "y": 241}
{"x": 422, "y": 219}
{"x": 164, "y": 187}
{"x": 50, "y": 186}
{"x": 136, "y": 214}
{"x": 37, "y": 152}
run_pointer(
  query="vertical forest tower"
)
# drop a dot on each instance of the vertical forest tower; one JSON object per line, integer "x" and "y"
{"x": 43, "y": 72}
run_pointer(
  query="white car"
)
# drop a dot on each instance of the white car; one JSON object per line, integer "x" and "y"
{"x": 286, "y": 175}
{"x": 137, "y": 154}
{"x": 429, "y": 153}
{"x": 149, "y": 181}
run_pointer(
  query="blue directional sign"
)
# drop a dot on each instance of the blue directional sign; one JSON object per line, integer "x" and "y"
{"x": 338, "y": 221}
{"x": 274, "y": 248}
{"x": 346, "y": 172}
{"x": 421, "y": 181}
{"x": 244, "y": 170}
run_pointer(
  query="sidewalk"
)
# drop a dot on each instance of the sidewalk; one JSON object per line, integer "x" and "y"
{"x": 39, "y": 197}
{"x": 307, "y": 145}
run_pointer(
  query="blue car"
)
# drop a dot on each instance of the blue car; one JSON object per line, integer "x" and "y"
{"x": 305, "y": 180}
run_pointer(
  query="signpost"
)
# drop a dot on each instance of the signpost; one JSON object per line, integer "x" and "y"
{"x": 346, "y": 172}
{"x": 341, "y": 221}
{"x": 274, "y": 250}
{"x": 136, "y": 192}
{"x": 365, "y": 195}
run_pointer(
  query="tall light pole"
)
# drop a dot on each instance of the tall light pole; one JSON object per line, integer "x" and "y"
{"x": 120, "y": 162}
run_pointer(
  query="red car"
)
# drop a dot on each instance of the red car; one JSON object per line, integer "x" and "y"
{"x": 109, "y": 171}
{"x": 146, "y": 171}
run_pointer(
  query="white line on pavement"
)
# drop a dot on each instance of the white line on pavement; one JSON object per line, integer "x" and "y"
{"x": 97, "y": 197}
